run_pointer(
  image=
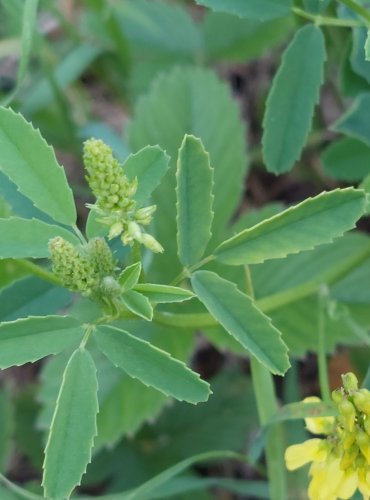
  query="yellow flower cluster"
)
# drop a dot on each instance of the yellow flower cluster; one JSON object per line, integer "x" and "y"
{"x": 82, "y": 269}
{"x": 341, "y": 459}
{"x": 114, "y": 194}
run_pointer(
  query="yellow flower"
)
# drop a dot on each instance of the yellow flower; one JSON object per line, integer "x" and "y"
{"x": 308, "y": 451}
{"x": 341, "y": 460}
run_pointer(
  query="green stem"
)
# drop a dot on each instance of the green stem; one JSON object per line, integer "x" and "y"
{"x": 136, "y": 257}
{"x": 351, "y": 4}
{"x": 321, "y": 356}
{"x": 38, "y": 271}
{"x": 267, "y": 407}
{"x": 274, "y": 301}
{"x": 88, "y": 332}
{"x": 80, "y": 236}
{"x": 186, "y": 272}
{"x": 326, "y": 21}
{"x": 196, "y": 320}
{"x": 18, "y": 490}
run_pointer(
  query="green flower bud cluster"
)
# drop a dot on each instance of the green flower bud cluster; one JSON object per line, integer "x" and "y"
{"x": 353, "y": 405}
{"x": 82, "y": 269}
{"x": 114, "y": 194}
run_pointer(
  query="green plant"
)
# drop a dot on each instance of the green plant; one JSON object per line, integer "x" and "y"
{"x": 164, "y": 252}
{"x": 90, "y": 269}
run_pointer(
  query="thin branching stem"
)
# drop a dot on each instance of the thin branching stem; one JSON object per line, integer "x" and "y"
{"x": 327, "y": 21}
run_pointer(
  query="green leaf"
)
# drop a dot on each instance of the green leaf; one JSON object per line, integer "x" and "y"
{"x": 186, "y": 486}
{"x": 313, "y": 222}
{"x": 10, "y": 270}
{"x": 194, "y": 200}
{"x": 29, "y": 21}
{"x": 347, "y": 258}
{"x": 69, "y": 69}
{"x": 152, "y": 366}
{"x": 367, "y": 46}
{"x": 294, "y": 411}
{"x": 31, "y": 164}
{"x": 355, "y": 122}
{"x": 193, "y": 101}
{"x": 130, "y": 276}
{"x": 138, "y": 304}
{"x": 95, "y": 229}
{"x": 117, "y": 418}
{"x": 32, "y": 296}
{"x": 347, "y": 160}
{"x": 262, "y": 10}
{"x": 316, "y": 6}
{"x": 18, "y": 203}
{"x": 105, "y": 132}
{"x": 238, "y": 314}
{"x": 292, "y": 99}
{"x": 351, "y": 84}
{"x": 148, "y": 489}
{"x": 251, "y": 217}
{"x": 6, "y": 494}
{"x": 298, "y": 321}
{"x": 29, "y": 237}
{"x": 358, "y": 61}
{"x": 149, "y": 166}
{"x": 72, "y": 431}
{"x": 163, "y": 293}
{"x": 229, "y": 415}
{"x": 6, "y": 427}
{"x": 51, "y": 377}
{"x": 125, "y": 408}
{"x": 30, "y": 339}
{"x": 159, "y": 27}
{"x": 242, "y": 39}
{"x": 29, "y": 438}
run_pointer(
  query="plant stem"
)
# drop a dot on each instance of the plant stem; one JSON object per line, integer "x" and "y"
{"x": 136, "y": 257}
{"x": 38, "y": 271}
{"x": 18, "y": 490}
{"x": 196, "y": 320}
{"x": 88, "y": 332}
{"x": 364, "y": 13}
{"x": 81, "y": 237}
{"x": 186, "y": 272}
{"x": 267, "y": 406}
{"x": 326, "y": 21}
{"x": 277, "y": 300}
{"x": 274, "y": 301}
{"x": 321, "y": 351}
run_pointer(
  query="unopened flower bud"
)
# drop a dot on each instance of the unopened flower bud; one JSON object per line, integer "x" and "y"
{"x": 350, "y": 382}
{"x": 337, "y": 396}
{"x": 363, "y": 442}
{"x": 151, "y": 243}
{"x": 134, "y": 231}
{"x": 348, "y": 440}
{"x": 109, "y": 286}
{"x": 144, "y": 215}
{"x": 115, "y": 230}
{"x": 347, "y": 414}
{"x": 361, "y": 399}
{"x": 132, "y": 188}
